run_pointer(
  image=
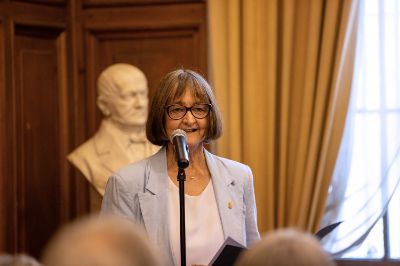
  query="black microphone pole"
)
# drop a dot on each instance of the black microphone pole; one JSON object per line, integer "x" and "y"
{"x": 181, "y": 179}
{"x": 178, "y": 140}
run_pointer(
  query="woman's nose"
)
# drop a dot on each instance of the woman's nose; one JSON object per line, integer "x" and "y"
{"x": 189, "y": 117}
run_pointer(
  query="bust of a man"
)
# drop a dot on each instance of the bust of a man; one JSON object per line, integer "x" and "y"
{"x": 121, "y": 137}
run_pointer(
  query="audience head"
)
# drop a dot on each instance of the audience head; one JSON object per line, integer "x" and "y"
{"x": 100, "y": 241}
{"x": 18, "y": 260}
{"x": 123, "y": 95}
{"x": 286, "y": 247}
{"x": 171, "y": 88}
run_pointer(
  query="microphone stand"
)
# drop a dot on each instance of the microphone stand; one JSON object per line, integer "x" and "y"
{"x": 181, "y": 179}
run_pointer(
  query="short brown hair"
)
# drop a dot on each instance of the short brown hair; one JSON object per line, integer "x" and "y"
{"x": 173, "y": 86}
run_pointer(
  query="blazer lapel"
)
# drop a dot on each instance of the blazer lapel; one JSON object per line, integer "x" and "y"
{"x": 230, "y": 205}
{"x": 154, "y": 200}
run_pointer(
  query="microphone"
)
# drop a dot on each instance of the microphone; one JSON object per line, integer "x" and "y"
{"x": 178, "y": 139}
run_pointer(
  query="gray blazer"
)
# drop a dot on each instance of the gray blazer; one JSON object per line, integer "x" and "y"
{"x": 139, "y": 193}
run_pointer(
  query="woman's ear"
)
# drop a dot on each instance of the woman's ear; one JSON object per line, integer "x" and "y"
{"x": 102, "y": 104}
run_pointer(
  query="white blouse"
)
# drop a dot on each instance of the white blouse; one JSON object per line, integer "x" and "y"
{"x": 204, "y": 235}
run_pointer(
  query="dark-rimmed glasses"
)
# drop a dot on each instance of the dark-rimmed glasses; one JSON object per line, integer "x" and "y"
{"x": 177, "y": 111}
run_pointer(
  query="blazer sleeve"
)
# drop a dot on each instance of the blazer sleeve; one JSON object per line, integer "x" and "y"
{"x": 252, "y": 234}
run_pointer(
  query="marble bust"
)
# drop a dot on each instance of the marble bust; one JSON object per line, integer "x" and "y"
{"x": 121, "y": 137}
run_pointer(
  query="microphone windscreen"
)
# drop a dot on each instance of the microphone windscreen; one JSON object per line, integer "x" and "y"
{"x": 177, "y": 132}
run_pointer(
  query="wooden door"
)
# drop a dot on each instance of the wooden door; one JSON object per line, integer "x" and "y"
{"x": 34, "y": 125}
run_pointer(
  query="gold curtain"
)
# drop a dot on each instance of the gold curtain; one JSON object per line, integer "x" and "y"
{"x": 282, "y": 72}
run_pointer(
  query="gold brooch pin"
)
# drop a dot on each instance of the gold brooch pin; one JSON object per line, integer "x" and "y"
{"x": 230, "y": 204}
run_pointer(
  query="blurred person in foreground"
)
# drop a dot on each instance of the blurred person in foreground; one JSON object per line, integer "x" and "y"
{"x": 285, "y": 247}
{"x": 20, "y": 259}
{"x": 94, "y": 241}
{"x": 219, "y": 193}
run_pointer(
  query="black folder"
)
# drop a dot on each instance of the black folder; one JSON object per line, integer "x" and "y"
{"x": 230, "y": 249}
{"x": 228, "y": 253}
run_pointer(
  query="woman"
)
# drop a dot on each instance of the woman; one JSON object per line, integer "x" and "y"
{"x": 219, "y": 193}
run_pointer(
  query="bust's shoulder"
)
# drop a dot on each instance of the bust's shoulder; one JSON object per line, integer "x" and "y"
{"x": 84, "y": 151}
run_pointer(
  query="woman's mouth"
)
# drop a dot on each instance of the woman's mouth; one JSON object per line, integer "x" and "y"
{"x": 190, "y": 130}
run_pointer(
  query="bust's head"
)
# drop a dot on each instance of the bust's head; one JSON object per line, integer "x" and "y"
{"x": 122, "y": 95}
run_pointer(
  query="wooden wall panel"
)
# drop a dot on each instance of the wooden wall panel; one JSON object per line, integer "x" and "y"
{"x": 46, "y": 2}
{"x": 156, "y": 53}
{"x": 96, "y": 3}
{"x": 3, "y": 151}
{"x": 176, "y": 38}
{"x": 33, "y": 14}
{"x": 40, "y": 125}
{"x": 7, "y": 143}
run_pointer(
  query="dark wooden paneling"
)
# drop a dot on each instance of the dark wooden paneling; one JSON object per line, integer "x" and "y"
{"x": 7, "y": 147}
{"x": 156, "y": 53}
{"x": 79, "y": 200}
{"x": 40, "y": 116}
{"x": 33, "y": 14}
{"x": 45, "y": 2}
{"x": 145, "y": 17}
{"x": 96, "y": 3}
{"x": 3, "y": 151}
{"x": 156, "y": 39}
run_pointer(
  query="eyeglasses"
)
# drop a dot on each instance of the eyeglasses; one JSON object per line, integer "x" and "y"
{"x": 199, "y": 111}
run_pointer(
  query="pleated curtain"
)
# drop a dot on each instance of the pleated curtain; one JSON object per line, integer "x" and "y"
{"x": 282, "y": 73}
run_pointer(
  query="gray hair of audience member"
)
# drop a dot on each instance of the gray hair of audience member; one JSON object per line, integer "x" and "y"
{"x": 107, "y": 82}
{"x": 284, "y": 247}
{"x": 18, "y": 260}
{"x": 100, "y": 241}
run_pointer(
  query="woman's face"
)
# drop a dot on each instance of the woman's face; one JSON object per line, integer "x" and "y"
{"x": 195, "y": 128}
